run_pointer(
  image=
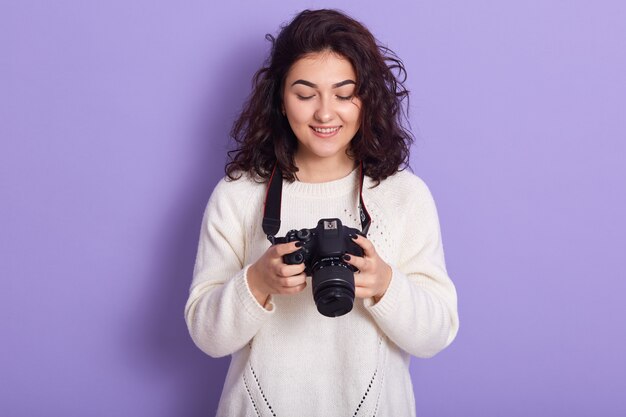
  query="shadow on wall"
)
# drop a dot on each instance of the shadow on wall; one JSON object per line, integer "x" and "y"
{"x": 192, "y": 377}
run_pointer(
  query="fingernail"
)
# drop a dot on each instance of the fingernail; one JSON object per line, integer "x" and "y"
{"x": 299, "y": 244}
{"x": 346, "y": 257}
{"x": 353, "y": 235}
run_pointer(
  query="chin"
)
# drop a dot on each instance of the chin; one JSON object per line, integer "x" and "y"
{"x": 325, "y": 154}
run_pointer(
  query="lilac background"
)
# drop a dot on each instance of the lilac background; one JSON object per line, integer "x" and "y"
{"x": 114, "y": 119}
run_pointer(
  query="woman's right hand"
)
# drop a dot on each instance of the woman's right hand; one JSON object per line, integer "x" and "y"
{"x": 270, "y": 275}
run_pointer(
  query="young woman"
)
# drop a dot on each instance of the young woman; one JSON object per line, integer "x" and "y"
{"x": 326, "y": 107}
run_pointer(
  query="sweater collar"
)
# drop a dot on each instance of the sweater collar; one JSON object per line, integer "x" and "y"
{"x": 336, "y": 187}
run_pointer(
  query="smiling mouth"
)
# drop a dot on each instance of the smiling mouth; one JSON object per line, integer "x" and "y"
{"x": 326, "y": 130}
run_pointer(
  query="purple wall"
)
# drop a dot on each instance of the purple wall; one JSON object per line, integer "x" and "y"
{"x": 113, "y": 129}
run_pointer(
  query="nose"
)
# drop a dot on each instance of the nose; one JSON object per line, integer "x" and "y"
{"x": 324, "y": 111}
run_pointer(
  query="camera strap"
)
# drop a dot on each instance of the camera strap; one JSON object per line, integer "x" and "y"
{"x": 273, "y": 196}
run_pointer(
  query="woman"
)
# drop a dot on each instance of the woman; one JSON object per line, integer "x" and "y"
{"x": 326, "y": 106}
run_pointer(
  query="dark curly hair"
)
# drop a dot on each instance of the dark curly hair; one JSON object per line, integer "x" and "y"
{"x": 263, "y": 135}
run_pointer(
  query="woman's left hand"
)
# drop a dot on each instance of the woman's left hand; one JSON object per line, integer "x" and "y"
{"x": 374, "y": 275}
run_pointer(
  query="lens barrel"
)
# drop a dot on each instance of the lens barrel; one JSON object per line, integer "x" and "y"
{"x": 333, "y": 287}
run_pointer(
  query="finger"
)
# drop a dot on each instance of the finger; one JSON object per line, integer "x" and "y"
{"x": 292, "y": 290}
{"x": 283, "y": 249}
{"x": 362, "y": 280}
{"x": 365, "y": 244}
{"x": 356, "y": 261}
{"x": 294, "y": 281}
{"x": 285, "y": 270}
{"x": 363, "y": 292}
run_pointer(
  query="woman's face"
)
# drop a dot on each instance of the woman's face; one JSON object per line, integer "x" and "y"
{"x": 321, "y": 107}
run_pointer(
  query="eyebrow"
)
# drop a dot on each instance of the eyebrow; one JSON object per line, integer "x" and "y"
{"x": 312, "y": 85}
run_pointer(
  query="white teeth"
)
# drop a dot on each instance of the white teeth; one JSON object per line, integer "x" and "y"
{"x": 326, "y": 130}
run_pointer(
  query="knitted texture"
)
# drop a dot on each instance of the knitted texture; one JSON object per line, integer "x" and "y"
{"x": 288, "y": 359}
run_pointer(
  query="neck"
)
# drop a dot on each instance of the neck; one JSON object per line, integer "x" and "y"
{"x": 323, "y": 169}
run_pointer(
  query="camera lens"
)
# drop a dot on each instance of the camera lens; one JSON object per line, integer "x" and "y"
{"x": 333, "y": 287}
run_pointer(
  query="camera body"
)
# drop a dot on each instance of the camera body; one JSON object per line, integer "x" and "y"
{"x": 322, "y": 251}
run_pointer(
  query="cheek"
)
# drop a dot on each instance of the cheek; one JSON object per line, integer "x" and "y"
{"x": 351, "y": 113}
{"x": 297, "y": 111}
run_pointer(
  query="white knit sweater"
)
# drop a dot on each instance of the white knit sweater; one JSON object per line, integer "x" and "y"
{"x": 291, "y": 361}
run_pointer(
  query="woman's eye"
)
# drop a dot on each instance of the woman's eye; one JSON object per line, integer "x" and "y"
{"x": 304, "y": 97}
{"x": 345, "y": 98}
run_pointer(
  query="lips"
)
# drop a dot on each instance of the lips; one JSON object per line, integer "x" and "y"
{"x": 325, "y": 131}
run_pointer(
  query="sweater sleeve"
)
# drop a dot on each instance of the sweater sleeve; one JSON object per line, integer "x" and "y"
{"x": 419, "y": 309}
{"x": 221, "y": 313}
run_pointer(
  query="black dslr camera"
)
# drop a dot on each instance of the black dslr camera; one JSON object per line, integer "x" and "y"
{"x": 322, "y": 254}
